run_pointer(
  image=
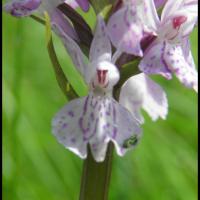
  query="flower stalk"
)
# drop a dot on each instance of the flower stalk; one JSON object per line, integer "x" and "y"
{"x": 96, "y": 177}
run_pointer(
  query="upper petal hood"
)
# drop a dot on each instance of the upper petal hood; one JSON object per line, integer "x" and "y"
{"x": 101, "y": 47}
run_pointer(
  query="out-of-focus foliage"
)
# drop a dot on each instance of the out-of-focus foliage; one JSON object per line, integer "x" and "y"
{"x": 35, "y": 166}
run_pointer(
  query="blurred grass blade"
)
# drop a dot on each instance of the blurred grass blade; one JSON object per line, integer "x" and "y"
{"x": 60, "y": 76}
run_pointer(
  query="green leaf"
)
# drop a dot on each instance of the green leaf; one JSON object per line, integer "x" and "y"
{"x": 60, "y": 76}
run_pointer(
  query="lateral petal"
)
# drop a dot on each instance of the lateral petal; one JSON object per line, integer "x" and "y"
{"x": 140, "y": 92}
{"x": 126, "y": 131}
{"x": 65, "y": 127}
{"x": 153, "y": 62}
{"x": 182, "y": 66}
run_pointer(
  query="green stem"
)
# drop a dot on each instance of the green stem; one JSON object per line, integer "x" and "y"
{"x": 96, "y": 177}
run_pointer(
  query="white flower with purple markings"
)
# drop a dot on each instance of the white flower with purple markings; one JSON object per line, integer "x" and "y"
{"x": 97, "y": 118}
{"x": 170, "y": 51}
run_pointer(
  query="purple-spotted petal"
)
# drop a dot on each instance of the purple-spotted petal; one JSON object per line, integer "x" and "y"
{"x": 126, "y": 31}
{"x": 95, "y": 120}
{"x": 181, "y": 65}
{"x": 140, "y": 91}
{"x": 65, "y": 127}
{"x": 101, "y": 47}
{"x": 22, "y": 8}
{"x": 153, "y": 61}
{"x": 126, "y": 131}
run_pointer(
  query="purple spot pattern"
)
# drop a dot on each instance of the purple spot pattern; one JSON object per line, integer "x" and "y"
{"x": 153, "y": 61}
{"x": 181, "y": 66}
{"x": 94, "y": 120}
{"x": 125, "y": 30}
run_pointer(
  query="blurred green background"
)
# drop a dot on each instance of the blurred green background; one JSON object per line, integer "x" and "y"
{"x": 35, "y": 166}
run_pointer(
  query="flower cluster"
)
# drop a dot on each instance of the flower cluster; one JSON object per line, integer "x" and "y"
{"x": 98, "y": 118}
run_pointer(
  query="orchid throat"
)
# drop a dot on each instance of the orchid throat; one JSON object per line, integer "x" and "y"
{"x": 104, "y": 78}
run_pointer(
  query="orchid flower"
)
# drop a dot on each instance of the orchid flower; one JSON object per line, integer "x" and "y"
{"x": 23, "y": 8}
{"x": 128, "y": 25}
{"x": 97, "y": 118}
{"x": 170, "y": 52}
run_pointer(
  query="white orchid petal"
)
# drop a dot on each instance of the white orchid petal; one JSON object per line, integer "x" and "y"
{"x": 101, "y": 47}
{"x": 148, "y": 15}
{"x": 170, "y": 8}
{"x": 94, "y": 120}
{"x": 178, "y": 19}
{"x": 126, "y": 31}
{"x": 139, "y": 92}
{"x": 125, "y": 128}
{"x": 153, "y": 62}
{"x": 65, "y": 126}
{"x": 182, "y": 66}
